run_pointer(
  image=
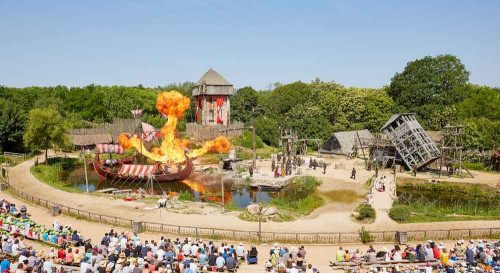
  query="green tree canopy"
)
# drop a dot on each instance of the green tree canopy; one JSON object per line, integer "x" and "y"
{"x": 44, "y": 129}
{"x": 285, "y": 97}
{"x": 12, "y": 120}
{"x": 429, "y": 81}
{"x": 242, "y": 103}
{"x": 268, "y": 130}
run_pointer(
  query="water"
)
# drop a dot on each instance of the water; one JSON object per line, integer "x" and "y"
{"x": 440, "y": 199}
{"x": 203, "y": 187}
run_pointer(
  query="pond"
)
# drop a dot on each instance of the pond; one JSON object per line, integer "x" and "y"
{"x": 204, "y": 187}
{"x": 459, "y": 199}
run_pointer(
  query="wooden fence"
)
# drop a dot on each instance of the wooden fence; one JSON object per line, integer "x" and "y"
{"x": 246, "y": 235}
{"x": 212, "y": 131}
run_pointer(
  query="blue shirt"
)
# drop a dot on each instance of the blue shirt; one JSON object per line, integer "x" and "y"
{"x": 45, "y": 236}
{"x": 4, "y": 265}
{"x": 203, "y": 259}
{"x": 8, "y": 248}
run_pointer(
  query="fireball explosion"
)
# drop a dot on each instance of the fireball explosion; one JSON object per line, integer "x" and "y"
{"x": 173, "y": 104}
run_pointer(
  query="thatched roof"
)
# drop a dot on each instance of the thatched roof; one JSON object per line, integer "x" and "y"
{"x": 213, "y": 83}
{"x": 84, "y": 140}
{"x": 344, "y": 142}
{"x": 108, "y": 132}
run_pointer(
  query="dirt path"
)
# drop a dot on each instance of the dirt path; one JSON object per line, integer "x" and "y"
{"x": 318, "y": 255}
{"x": 327, "y": 221}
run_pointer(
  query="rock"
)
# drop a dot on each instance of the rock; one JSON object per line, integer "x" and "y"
{"x": 253, "y": 209}
{"x": 268, "y": 211}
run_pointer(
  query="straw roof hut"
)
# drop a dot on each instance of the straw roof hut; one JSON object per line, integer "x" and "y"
{"x": 344, "y": 143}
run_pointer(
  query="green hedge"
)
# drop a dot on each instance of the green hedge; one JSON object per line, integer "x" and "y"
{"x": 400, "y": 213}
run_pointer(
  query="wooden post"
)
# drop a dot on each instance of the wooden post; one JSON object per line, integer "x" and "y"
{"x": 362, "y": 150}
{"x": 85, "y": 166}
{"x": 254, "y": 145}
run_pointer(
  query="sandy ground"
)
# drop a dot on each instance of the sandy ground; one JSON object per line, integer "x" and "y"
{"x": 318, "y": 255}
{"x": 325, "y": 220}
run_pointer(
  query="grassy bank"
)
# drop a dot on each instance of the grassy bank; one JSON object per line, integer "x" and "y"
{"x": 303, "y": 200}
{"x": 421, "y": 201}
{"x": 53, "y": 173}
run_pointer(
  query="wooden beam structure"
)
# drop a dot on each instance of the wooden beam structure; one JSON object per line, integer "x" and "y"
{"x": 413, "y": 144}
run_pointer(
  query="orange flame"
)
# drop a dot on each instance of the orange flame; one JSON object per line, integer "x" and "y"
{"x": 172, "y": 150}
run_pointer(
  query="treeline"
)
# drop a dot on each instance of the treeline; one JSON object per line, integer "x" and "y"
{"x": 437, "y": 89}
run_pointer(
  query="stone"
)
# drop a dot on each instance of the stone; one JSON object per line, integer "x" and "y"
{"x": 253, "y": 209}
{"x": 269, "y": 211}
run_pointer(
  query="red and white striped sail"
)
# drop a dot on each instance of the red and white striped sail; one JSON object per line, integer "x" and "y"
{"x": 110, "y": 149}
{"x": 137, "y": 112}
{"x": 137, "y": 170}
{"x": 147, "y": 128}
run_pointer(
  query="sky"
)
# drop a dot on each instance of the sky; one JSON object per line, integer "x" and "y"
{"x": 251, "y": 43}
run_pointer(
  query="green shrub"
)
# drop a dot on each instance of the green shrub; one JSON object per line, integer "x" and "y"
{"x": 246, "y": 140}
{"x": 185, "y": 196}
{"x": 474, "y": 166}
{"x": 365, "y": 235}
{"x": 400, "y": 213}
{"x": 366, "y": 212}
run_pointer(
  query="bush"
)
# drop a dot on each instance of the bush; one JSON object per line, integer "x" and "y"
{"x": 246, "y": 140}
{"x": 400, "y": 213}
{"x": 366, "y": 212}
{"x": 474, "y": 166}
{"x": 365, "y": 235}
{"x": 185, "y": 196}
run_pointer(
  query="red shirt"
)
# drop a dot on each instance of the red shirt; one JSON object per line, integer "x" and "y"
{"x": 436, "y": 252}
{"x": 61, "y": 254}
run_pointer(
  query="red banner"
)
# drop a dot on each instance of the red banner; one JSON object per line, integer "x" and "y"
{"x": 220, "y": 100}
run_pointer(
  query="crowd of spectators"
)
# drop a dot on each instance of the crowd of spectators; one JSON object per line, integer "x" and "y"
{"x": 474, "y": 256}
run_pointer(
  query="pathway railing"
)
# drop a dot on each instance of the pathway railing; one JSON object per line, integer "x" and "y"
{"x": 248, "y": 235}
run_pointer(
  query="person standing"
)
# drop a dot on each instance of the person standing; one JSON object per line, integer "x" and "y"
{"x": 353, "y": 173}
{"x": 324, "y": 167}
{"x": 250, "y": 170}
{"x": 273, "y": 165}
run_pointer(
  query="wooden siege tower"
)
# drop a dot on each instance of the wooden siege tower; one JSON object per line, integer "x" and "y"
{"x": 413, "y": 144}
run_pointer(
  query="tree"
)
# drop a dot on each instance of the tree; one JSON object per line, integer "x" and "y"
{"x": 309, "y": 121}
{"x": 12, "y": 119}
{"x": 242, "y": 103}
{"x": 44, "y": 130}
{"x": 284, "y": 97}
{"x": 429, "y": 80}
{"x": 268, "y": 130}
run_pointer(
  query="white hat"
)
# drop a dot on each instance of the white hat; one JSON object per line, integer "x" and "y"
{"x": 275, "y": 245}
{"x": 480, "y": 241}
{"x": 441, "y": 243}
{"x": 241, "y": 243}
{"x": 471, "y": 240}
{"x": 269, "y": 264}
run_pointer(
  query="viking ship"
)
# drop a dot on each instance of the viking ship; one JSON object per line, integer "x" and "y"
{"x": 124, "y": 170}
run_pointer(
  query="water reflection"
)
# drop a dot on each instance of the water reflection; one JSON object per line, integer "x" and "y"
{"x": 204, "y": 187}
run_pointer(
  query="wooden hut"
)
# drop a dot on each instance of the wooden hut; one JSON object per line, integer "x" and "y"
{"x": 212, "y": 93}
